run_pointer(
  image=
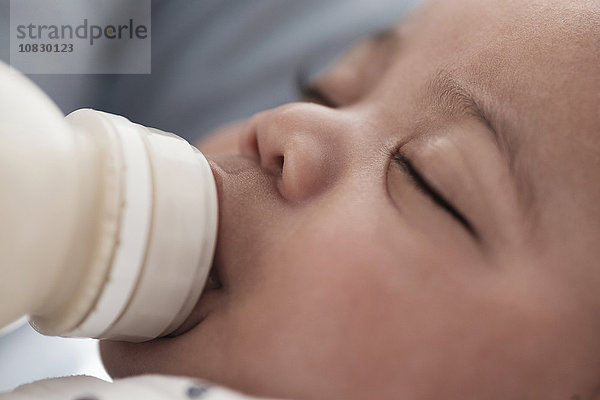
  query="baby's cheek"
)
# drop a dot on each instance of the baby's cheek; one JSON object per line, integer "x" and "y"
{"x": 224, "y": 140}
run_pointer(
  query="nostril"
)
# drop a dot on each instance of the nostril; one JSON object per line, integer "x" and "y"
{"x": 279, "y": 161}
{"x": 273, "y": 164}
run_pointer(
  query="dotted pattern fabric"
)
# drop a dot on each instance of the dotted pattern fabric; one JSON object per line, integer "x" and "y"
{"x": 147, "y": 387}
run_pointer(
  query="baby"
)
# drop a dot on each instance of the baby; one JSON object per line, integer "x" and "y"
{"x": 427, "y": 226}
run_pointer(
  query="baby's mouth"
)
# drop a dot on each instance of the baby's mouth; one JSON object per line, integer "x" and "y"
{"x": 232, "y": 172}
{"x": 213, "y": 285}
{"x": 213, "y": 282}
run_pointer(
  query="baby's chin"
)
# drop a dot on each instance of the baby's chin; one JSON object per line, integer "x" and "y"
{"x": 191, "y": 353}
{"x": 122, "y": 359}
{"x": 117, "y": 360}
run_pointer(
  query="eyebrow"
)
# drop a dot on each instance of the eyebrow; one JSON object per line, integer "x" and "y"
{"x": 448, "y": 94}
{"x": 387, "y": 35}
{"x": 387, "y": 40}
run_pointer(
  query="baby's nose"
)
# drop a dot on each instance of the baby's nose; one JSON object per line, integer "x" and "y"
{"x": 303, "y": 142}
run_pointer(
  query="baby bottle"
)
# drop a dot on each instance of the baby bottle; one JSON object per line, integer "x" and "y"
{"x": 107, "y": 228}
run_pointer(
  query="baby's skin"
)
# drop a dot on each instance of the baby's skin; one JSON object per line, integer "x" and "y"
{"x": 426, "y": 227}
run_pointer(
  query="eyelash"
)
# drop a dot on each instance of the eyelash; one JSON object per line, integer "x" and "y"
{"x": 308, "y": 92}
{"x": 406, "y": 165}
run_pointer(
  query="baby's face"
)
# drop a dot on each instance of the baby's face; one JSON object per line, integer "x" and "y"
{"x": 430, "y": 234}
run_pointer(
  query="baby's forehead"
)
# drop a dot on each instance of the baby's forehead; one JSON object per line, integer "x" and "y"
{"x": 524, "y": 29}
{"x": 535, "y": 61}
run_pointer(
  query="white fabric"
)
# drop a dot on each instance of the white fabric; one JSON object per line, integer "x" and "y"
{"x": 146, "y": 387}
